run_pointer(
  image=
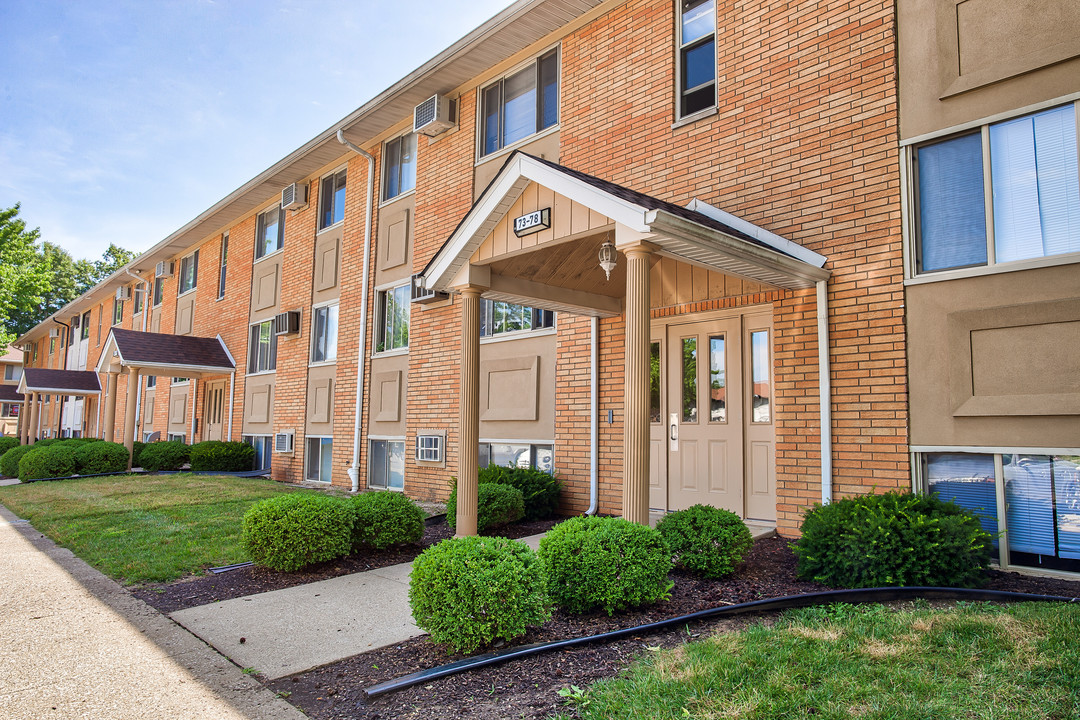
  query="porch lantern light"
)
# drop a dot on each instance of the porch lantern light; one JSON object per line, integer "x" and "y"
{"x": 608, "y": 257}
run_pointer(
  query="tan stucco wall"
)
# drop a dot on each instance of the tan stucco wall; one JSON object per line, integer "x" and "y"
{"x": 985, "y": 352}
{"x": 964, "y": 60}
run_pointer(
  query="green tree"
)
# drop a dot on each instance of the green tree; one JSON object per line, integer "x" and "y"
{"x": 25, "y": 276}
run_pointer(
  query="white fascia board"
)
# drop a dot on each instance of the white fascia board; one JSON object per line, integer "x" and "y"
{"x": 182, "y": 370}
{"x": 758, "y": 233}
{"x": 107, "y": 353}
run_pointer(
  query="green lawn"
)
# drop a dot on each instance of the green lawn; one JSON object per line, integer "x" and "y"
{"x": 144, "y": 528}
{"x": 870, "y": 662}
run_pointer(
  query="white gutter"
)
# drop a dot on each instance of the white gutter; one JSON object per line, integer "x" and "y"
{"x": 354, "y": 469}
{"x": 824, "y": 390}
{"x": 594, "y": 418}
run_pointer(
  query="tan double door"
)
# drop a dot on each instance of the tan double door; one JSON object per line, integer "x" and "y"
{"x": 712, "y": 413}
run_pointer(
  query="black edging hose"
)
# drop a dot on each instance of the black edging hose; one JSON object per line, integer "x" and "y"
{"x": 882, "y": 594}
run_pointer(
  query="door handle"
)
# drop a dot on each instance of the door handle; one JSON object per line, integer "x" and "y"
{"x": 673, "y": 432}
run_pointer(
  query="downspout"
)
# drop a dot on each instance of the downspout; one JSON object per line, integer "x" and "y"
{"x": 354, "y": 469}
{"x": 142, "y": 378}
{"x": 824, "y": 390}
{"x": 594, "y": 418}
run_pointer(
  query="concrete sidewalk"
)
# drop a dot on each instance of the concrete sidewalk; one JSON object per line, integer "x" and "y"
{"x": 74, "y": 644}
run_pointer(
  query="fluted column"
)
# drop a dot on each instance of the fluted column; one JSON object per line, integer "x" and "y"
{"x": 129, "y": 411}
{"x": 110, "y": 406}
{"x": 468, "y": 453}
{"x": 31, "y": 432}
{"x": 636, "y": 430}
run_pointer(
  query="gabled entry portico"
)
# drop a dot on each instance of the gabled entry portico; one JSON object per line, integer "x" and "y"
{"x": 161, "y": 355}
{"x": 554, "y": 266}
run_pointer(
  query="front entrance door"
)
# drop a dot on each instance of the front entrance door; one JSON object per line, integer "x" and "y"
{"x": 215, "y": 409}
{"x": 711, "y": 413}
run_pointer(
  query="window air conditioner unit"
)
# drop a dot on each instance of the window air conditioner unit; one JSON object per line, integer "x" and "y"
{"x": 283, "y": 441}
{"x": 435, "y": 115}
{"x": 294, "y": 196}
{"x": 420, "y": 294}
{"x": 164, "y": 268}
{"x": 123, "y": 293}
{"x": 54, "y": 332}
{"x": 287, "y": 323}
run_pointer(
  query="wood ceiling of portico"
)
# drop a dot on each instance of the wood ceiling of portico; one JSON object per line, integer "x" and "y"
{"x": 569, "y": 220}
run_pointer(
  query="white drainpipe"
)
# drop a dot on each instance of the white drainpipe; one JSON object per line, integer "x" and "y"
{"x": 594, "y": 416}
{"x": 825, "y": 390}
{"x": 354, "y": 469}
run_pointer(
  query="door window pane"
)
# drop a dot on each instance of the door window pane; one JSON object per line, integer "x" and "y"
{"x": 689, "y": 380}
{"x": 952, "y": 210}
{"x": 717, "y": 380}
{"x": 654, "y": 382}
{"x": 761, "y": 408}
{"x": 395, "y": 478}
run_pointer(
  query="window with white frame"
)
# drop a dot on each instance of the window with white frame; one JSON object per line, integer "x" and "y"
{"x": 262, "y": 348}
{"x": 1032, "y": 209}
{"x": 159, "y": 290}
{"x": 429, "y": 448}
{"x": 399, "y": 166}
{"x": 324, "y": 328}
{"x": 387, "y": 463}
{"x": 1037, "y": 496}
{"x": 393, "y": 329}
{"x": 117, "y": 313}
{"x": 151, "y": 381}
{"x": 223, "y": 265}
{"x": 9, "y": 410}
{"x": 264, "y": 448}
{"x": 269, "y": 232}
{"x": 319, "y": 459}
{"x": 84, "y": 326}
{"x": 332, "y": 199}
{"x": 520, "y": 105}
{"x": 12, "y": 372}
{"x": 177, "y": 437}
{"x": 189, "y": 273}
{"x": 497, "y": 318}
{"x": 517, "y": 454}
{"x": 697, "y": 56}
{"x": 137, "y": 301}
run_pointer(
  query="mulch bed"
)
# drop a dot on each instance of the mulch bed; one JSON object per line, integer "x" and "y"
{"x": 526, "y": 688}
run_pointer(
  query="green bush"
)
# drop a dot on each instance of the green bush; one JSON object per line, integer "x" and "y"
{"x": 467, "y": 592}
{"x": 892, "y": 539}
{"x": 8, "y": 442}
{"x": 101, "y": 457}
{"x": 290, "y": 532}
{"x": 606, "y": 563}
{"x": 46, "y": 442}
{"x": 136, "y": 450}
{"x": 9, "y": 461}
{"x": 215, "y": 455}
{"x": 706, "y": 540}
{"x": 384, "y": 518}
{"x": 539, "y": 490}
{"x": 169, "y": 455}
{"x": 496, "y": 505}
{"x": 48, "y": 462}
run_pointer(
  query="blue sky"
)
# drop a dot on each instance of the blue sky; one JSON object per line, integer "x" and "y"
{"x": 121, "y": 121}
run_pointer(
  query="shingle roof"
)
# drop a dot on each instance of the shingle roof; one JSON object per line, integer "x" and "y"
{"x": 77, "y": 382}
{"x": 10, "y": 393}
{"x": 137, "y": 348}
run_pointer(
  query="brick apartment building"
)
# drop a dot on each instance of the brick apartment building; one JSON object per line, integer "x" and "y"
{"x": 750, "y": 176}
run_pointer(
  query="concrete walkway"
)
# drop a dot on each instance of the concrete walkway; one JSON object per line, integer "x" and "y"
{"x": 74, "y": 644}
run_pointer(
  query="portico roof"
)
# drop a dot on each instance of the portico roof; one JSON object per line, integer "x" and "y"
{"x": 700, "y": 235}
{"x": 11, "y": 394}
{"x": 59, "y": 382}
{"x": 166, "y": 355}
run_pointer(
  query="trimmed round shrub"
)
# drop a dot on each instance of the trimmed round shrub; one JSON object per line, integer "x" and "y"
{"x": 169, "y": 455}
{"x": 8, "y": 442}
{"x": 539, "y": 490}
{"x": 604, "y": 563}
{"x": 101, "y": 457}
{"x": 706, "y": 540}
{"x": 496, "y": 505}
{"x": 46, "y": 442}
{"x": 136, "y": 450}
{"x": 467, "y": 592}
{"x": 384, "y": 518}
{"x": 292, "y": 531}
{"x": 48, "y": 462}
{"x": 9, "y": 461}
{"x": 893, "y": 539}
{"x": 215, "y": 455}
